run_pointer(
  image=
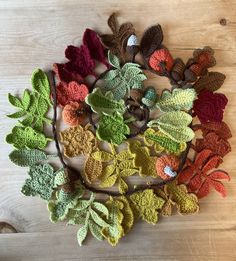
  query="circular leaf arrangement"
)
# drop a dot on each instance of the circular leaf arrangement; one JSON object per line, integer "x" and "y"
{"x": 121, "y": 128}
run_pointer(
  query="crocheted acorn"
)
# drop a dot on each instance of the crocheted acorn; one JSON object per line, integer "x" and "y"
{"x": 133, "y": 130}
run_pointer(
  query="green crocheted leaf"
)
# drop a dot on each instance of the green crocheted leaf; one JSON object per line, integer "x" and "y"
{"x": 179, "y": 99}
{"x": 24, "y": 157}
{"x": 146, "y": 203}
{"x": 27, "y": 137}
{"x": 95, "y": 230}
{"x": 177, "y": 118}
{"x": 81, "y": 234}
{"x": 113, "y": 60}
{"x": 100, "y": 103}
{"x": 112, "y": 128}
{"x": 41, "y": 84}
{"x": 41, "y": 181}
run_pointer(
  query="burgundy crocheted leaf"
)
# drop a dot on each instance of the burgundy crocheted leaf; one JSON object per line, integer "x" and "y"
{"x": 91, "y": 40}
{"x": 80, "y": 60}
{"x": 66, "y": 76}
{"x": 209, "y": 106}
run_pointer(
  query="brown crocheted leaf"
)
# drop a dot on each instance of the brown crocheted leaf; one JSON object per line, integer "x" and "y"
{"x": 112, "y": 23}
{"x": 211, "y": 81}
{"x": 151, "y": 40}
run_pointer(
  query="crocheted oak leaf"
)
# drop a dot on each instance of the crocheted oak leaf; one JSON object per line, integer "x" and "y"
{"x": 106, "y": 104}
{"x": 41, "y": 181}
{"x": 60, "y": 207}
{"x": 74, "y": 113}
{"x": 122, "y": 79}
{"x": 112, "y": 128}
{"x": 73, "y": 91}
{"x": 174, "y": 125}
{"x": 146, "y": 203}
{"x": 121, "y": 166}
{"x": 167, "y": 166}
{"x": 209, "y": 106}
{"x": 78, "y": 140}
{"x": 142, "y": 159}
{"x": 114, "y": 231}
{"x": 198, "y": 177}
{"x": 186, "y": 203}
{"x": 162, "y": 143}
{"x": 178, "y": 99}
{"x": 92, "y": 169}
{"x": 25, "y": 157}
{"x": 90, "y": 214}
{"x": 27, "y": 137}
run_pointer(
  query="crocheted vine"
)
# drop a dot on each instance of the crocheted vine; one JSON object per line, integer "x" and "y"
{"x": 155, "y": 131}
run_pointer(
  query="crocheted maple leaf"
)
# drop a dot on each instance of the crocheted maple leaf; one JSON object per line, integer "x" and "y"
{"x": 198, "y": 177}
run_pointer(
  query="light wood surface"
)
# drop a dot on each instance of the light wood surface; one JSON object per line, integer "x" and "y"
{"x": 35, "y": 34}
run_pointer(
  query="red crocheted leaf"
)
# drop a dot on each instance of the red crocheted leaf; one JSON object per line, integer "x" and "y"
{"x": 80, "y": 60}
{"x": 195, "y": 183}
{"x": 212, "y": 163}
{"x": 204, "y": 189}
{"x": 219, "y": 128}
{"x": 186, "y": 174}
{"x": 71, "y": 92}
{"x": 219, "y": 174}
{"x": 213, "y": 142}
{"x": 91, "y": 40}
{"x": 201, "y": 158}
{"x": 64, "y": 75}
{"x": 219, "y": 187}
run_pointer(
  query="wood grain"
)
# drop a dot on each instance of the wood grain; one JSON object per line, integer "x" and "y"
{"x": 35, "y": 34}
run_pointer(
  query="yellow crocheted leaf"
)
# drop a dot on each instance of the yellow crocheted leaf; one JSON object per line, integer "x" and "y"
{"x": 102, "y": 156}
{"x": 108, "y": 182}
{"x": 114, "y": 231}
{"x": 146, "y": 203}
{"x": 143, "y": 160}
{"x": 92, "y": 169}
{"x": 127, "y": 164}
{"x": 78, "y": 140}
{"x": 187, "y": 203}
{"x": 122, "y": 185}
{"x": 166, "y": 210}
{"x": 123, "y": 155}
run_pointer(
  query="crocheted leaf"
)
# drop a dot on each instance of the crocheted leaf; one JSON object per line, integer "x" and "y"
{"x": 211, "y": 81}
{"x": 92, "y": 169}
{"x": 102, "y": 156}
{"x": 122, "y": 185}
{"x": 162, "y": 142}
{"x": 41, "y": 181}
{"x": 24, "y": 157}
{"x": 95, "y": 230}
{"x": 114, "y": 231}
{"x": 112, "y": 128}
{"x": 113, "y": 60}
{"x": 187, "y": 203}
{"x": 81, "y": 234}
{"x": 146, "y": 203}
{"x": 100, "y": 103}
{"x": 142, "y": 159}
{"x": 179, "y": 99}
{"x": 41, "y": 84}
{"x": 27, "y": 137}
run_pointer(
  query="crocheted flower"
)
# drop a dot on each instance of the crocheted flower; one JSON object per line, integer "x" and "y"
{"x": 78, "y": 140}
{"x": 197, "y": 177}
{"x": 71, "y": 92}
{"x": 161, "y": 60}
{"x": 166, "y": 166}
{"x": 209, "y": 106}
{"x": 74, "y": 113}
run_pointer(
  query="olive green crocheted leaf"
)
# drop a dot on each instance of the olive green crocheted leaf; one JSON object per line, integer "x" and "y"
{"x": 112, "y": 128}
{"x": 100, "y": 103}
{"x": 27, "y": 137}
{"x": 41, "y": 84}
{"x": 40, "y": 182}
{"x": 24, "y": 157}
{"x": 147, "y": 203}
{"x": 179, "y": 99}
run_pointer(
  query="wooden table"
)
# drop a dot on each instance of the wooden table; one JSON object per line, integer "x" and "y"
{"x": 35, "y": 34}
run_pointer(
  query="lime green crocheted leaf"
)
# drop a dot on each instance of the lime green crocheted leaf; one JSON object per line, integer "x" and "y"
{"x": 146, "y": 203}
{"x": 15, "y": 101}
{"x": 41, "y": 84}
{"x": 179, "y": 99}
{"x": 24, "y": 157}
{"x": 27, "y": 137}
{"x": 162, "y": 142}
{"x": 81, "y": 234}
{"x": 187, "y": 203}
{"x": 112, "y": 128}
{"x": 100, "y": 103}
{"x": 113, "y": 60}
{"x": 41, "y": 182}
{"x": 114, "y": 231}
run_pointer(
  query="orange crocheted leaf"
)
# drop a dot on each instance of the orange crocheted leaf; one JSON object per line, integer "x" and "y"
{"x": 195, "y": 183}
{"x": 161, "y": 59}
{"x": 74, "y": 113}
{"x": 219, "y": 174}
{"x": 212, "y": 163}
{"x": 186, "y": 174}
{"x": 204, "y": 189}
{"x": 201, "y": 158}
{"x": 219, "y": 187}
